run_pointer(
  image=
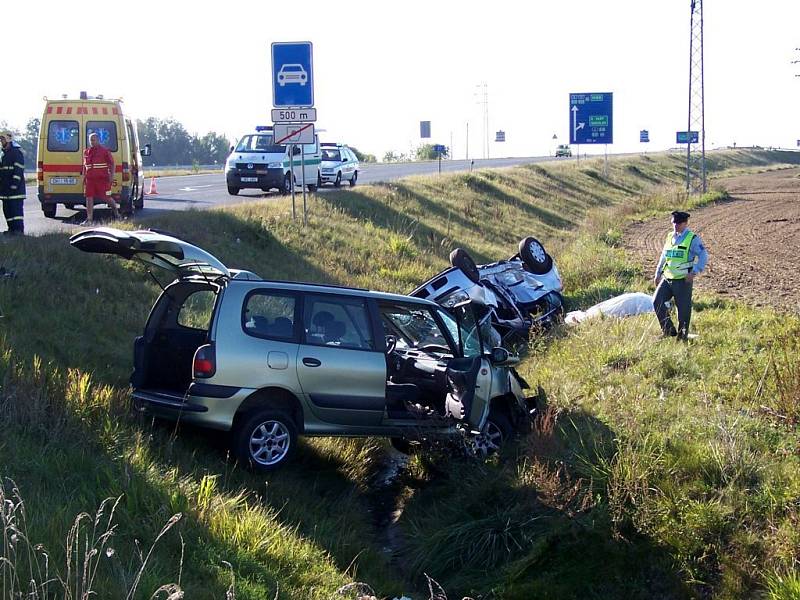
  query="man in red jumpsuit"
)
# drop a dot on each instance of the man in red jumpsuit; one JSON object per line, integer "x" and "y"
{"x": 98, "y": 170}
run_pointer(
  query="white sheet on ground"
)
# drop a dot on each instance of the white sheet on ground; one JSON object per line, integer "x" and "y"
{"x": 625, "y": 305}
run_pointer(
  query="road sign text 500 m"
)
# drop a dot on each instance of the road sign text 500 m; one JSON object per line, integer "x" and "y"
{"x": 293, "y": 115}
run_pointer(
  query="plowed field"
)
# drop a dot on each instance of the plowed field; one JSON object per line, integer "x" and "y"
{"x": 753, "y": 240}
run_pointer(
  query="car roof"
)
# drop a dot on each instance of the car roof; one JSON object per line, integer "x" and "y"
{"x": 332, "y": 289}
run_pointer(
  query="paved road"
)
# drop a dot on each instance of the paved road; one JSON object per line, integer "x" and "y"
{"x": 205, "y": 191}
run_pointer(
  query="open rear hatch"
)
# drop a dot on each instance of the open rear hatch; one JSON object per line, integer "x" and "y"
{"x": 152, "y": 247}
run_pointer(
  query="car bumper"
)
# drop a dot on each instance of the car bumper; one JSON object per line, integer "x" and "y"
{"x": 212, "y": 406}
{"x": 50, "y": 198}
{"x": 273, "y": 178}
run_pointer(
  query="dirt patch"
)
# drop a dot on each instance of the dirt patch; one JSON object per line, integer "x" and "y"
{"x": 753, "y": 240}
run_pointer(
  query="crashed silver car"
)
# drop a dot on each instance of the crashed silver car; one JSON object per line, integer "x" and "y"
{"x": 516, "y": 295}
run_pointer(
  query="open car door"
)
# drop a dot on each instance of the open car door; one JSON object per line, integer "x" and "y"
{"x": 151, "y": 247}
{"x": 469, "y": 378}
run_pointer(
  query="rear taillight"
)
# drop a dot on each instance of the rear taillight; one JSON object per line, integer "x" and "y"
{"x": 205, "y": 361}
{"x": 126, "y": 172}
{"x": 40, "y": 171}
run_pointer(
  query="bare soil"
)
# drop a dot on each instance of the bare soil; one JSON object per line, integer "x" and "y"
{"x": 753, "y": 240}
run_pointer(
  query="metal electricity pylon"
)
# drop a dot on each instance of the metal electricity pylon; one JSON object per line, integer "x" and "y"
{"x": 696, "y": 151}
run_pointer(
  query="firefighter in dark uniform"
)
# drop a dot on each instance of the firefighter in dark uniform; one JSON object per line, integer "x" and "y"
{"x": 12, "y": 183}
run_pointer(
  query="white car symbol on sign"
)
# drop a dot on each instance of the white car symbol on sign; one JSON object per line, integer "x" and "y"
{"x": 292, "y": 73}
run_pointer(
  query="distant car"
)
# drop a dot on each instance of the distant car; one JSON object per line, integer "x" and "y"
{"x": 338, "y": 163}
{"x": 563, "y": 150}
{"x": 292, "y": 74}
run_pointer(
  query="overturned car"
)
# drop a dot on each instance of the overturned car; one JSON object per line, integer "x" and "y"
{"x": 516, "y": 294}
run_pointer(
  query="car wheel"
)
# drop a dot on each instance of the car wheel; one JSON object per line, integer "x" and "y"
{"x": 354, "y": 178}
{"x": 404, "y": 446}
{"x": 233, "y": 191}
{"x": 319, "y": 180}
{"x": 460, "y": 259}
{"x": 534, "y": 257}
{"x": 312, "y": 188}
{"x": 126, "y": 208}
{"x": 338, "y": 181}
{"x": 138, "y": 204}
{"x": 495, "y": 433}
{"x": 265, "y": 440}
{"x": 287, "y": 184}
{"x": 49, "y": 210}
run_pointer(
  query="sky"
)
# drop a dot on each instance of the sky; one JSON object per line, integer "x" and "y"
{"x": 382, "y": 67}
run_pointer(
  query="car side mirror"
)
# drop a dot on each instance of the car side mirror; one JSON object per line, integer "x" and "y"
{"x": 146, "y": 151}
{"x": 501, "y": 356}
{"x": 231, "y": 150}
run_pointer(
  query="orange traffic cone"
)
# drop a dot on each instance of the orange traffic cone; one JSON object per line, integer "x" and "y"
{"x": 152, "y": 191}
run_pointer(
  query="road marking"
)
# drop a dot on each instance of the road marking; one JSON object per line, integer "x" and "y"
{"x": 194, "y": 189}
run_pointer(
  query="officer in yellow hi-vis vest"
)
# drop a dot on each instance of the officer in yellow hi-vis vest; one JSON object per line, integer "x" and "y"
{"x": 683, "y": 258}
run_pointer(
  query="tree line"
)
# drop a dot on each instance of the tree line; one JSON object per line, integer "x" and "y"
{"x": 170, "y": 142}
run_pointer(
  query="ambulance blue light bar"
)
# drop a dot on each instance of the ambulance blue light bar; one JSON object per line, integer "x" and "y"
{"x": 263, "y": 127}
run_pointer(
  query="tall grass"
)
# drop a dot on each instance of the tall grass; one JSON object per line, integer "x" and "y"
{"x": 654, "y": 471}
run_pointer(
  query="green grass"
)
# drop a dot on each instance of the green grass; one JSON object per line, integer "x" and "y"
{"x": 659, "y": 470}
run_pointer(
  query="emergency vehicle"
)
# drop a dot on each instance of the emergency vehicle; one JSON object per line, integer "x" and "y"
{"x": 63, "y": 137}
{"x": 257, "y": 162}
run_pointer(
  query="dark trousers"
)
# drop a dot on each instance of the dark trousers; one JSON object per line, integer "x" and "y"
{"x": 12, "y": 210}
{"x": 681, "y": 291}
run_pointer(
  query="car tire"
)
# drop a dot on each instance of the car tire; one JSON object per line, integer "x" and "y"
{"x": 312, "y": 188}
{"x": 460, "y": 259}
{"x": 233, "y": 191}
{"x": 338, "y": 181}
{"x": 265, "y": 439}
{"x": 126, "y": 208}
{"x": 403, "y": 446}
{"x": 319, "y": 180}
{"x": 534, "y": 256}
{"x": 49, "y": 210}
{"x": 354, "y": 178}
{"x": 138, "y": 203}
{"x": 287, "y": 184}
{"x": 496, "y": 432}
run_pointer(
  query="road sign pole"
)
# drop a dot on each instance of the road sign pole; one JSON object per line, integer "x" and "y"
{"x": 605, "y": 164}
{"x": 440, "y": 163}
{"x": 303, "y": 178}
{"x": 291, "y": 177}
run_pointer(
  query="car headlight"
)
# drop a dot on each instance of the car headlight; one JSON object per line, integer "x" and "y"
{"x": 456, "y": 298}
{"x": 274, "y": 165}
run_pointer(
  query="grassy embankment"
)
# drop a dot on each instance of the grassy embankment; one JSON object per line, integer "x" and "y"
{"x": 658, "y": 470}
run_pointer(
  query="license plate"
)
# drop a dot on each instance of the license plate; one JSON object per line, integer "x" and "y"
{"x": 249, "y": 179}
{"x": 63, "y": 181}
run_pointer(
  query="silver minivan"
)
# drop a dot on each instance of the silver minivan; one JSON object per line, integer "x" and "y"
{"x": 269, "y": 360}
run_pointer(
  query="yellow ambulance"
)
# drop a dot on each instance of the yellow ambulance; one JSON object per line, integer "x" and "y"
{"x": 63, "y": 137}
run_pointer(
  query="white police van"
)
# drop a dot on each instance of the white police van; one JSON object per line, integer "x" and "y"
{"x": 256, "y": 162}
{"x": 338, "y": 163}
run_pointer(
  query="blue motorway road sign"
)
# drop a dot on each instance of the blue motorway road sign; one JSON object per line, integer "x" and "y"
{"x": 292, "y": 74}
{"x": 644, "y": 135}
{"x": 682, "y": 137}
{"x": 590, "y": 118}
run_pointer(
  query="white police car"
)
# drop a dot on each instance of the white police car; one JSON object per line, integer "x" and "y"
{"x": 338, "y": 163}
